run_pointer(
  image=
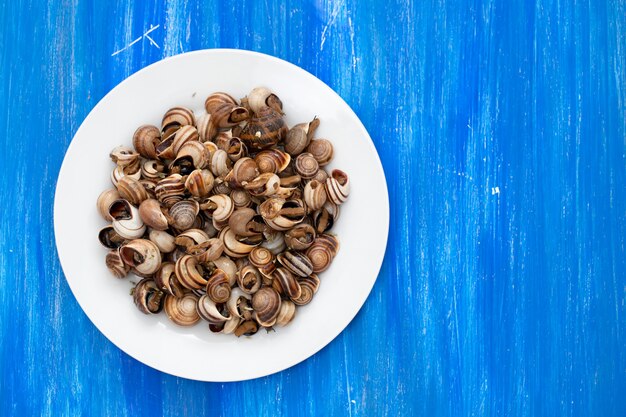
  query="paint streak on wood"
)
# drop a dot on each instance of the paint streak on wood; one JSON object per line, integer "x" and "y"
{"x": 501, "y": 129}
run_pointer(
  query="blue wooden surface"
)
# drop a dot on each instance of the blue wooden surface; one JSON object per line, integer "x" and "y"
{"x": 501, "y": 128}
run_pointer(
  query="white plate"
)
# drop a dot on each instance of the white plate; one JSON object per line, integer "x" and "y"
{"x": 195, "y": 352}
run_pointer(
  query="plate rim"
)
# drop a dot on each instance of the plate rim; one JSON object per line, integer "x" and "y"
{"x": 370, "y": 143}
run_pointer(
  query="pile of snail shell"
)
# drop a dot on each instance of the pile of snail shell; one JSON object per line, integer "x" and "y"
{"x": 225, "y": 216}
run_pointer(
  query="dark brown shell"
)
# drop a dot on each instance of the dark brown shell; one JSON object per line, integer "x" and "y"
{"x": 264, "y": 130}
{"x": 148, "y": 297}
{"x": 218, "y": 287}
{"x": 266, "y": 305}
{"x": 145, "y": 140}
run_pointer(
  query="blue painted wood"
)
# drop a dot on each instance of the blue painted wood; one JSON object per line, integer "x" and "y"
{"x": 501, "y": 129}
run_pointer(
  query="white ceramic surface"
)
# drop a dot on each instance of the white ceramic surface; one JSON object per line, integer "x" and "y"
{"x": 199, "y": 354}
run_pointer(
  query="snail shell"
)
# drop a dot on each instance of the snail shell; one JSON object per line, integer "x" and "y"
{"x": 299, "y": 136}
{"x": 236, "y": 149}
{"x": 321, "y": 176}
{"x": 238, "y": 303}
{"x": 290, "y": 181}
{"x": 322, "y": 151}
{"x": 192, "y": 155}
{"x": 243, "y": 171}
{"x": 208, "y": 251}
{"x": 263, "y": 186}
{"x": 145, "y": 140}
{"x": 142, "y": 255}
{"x": 206, "y": 128}
{"x": 170, "y": 146}
{"x": 324, "y": 218}
{"x": 274, "y": 241}
{"x": 163, "y": 240}
{"x": 222, "y": 140}
{"x": 285, "y": 283}
{"x": 300, "y": 237}
{"x": 149, "y": 185}
{"x": 124, "y": 156}
{"x": 241, "y": 198}
{"x": 228, "y": 266}
{"x": 247, "y": 328}
{"x": 322, "y": 252}
{"x": 130, "y": 189}
{"x": 221, "y": 187}
{"x": 282, "y": 215}
{"x": 296, "y": 263}
{"x": 306, "y": 165}
{"x": 219, "y": 207}
{"x": 200, "y": 182}
{"x": 115, "y": 264}
{"x": 231, "y": 325}
{"x": 314, "y": 195}
{"x": 166, "y": 280}
{"x": 249, "y": 279}
{"x": 218, "y": 287}
{"x": 189, "y": 273}
{"x": 209, "y": 311}
{"x": 109, "y": 238}
{"x": 177, "y": 116}
{"x": 215, "y": 100}
{"x": 220, "y": 163}
{"x": 266, "y": 305}
{"x": 264, "y": 130}
{"x": 147, "y": 296}
{"x": 126, "y": 220}
{"x": 229, "y": 115}
{"x": 152, "y": 169}
{"x": 243, "y": 222}
{"x": 261, "y": 97}
{"x": 104, "y": 202}
{"x": 286, "y": 314}
{"x": 263, "y": 259}
{"x": 182, "y": 311}
{"x": 308, "y": 286}
{"x": 338, "y": 186}
{"x": 272, "y": 160}
{"x": 170, "y": 190}
{"x": 190, "y": 238}
{"x": 152, "y": 215}
{"x": 119, "y": 172}
{"x": 233, "y": 247}
{"x": 183, "y": 214}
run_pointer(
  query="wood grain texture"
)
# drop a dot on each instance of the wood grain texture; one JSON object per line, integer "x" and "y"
{"x": 501, "y": 129}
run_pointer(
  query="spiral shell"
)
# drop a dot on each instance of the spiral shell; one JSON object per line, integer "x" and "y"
{"x": 183, "y": 214}
{"x": 163, "y": 240}
{"x": 177, "y": 116}
{"x": 290, "y": 181}
{"x": 236, "y": 149}
{"x": 152, "y": 215}
{"x": 228, "y": 266}
{"x": 147, "y": 296}
{"x": 308, "y": 286}
{"x": 324, "y": 218}
{"x": 299, "y": 136}
{"x": 171, "y": 145}
{"x": 241, "y": 198}
{"x": 296, "y": 262}
{"x": 145, "y": 140}
{"x": 220, "y": 163}
{"x": 120, "y": 172}
{"x": 261, "y": 97}
{"x": 322, "y": 151}
{"x": 265, "y": 129}
{"x": 126, "y": 220}
{"x": 219, "y": 207}
{"x": 104, "y": 202}
{"x": 190, "y": 238}
{"x": 243, "y": 171}
{"x": 322, "y": 252}
{"x": 338, "y": 186}
{"x": 263, "y": 186}
{"x": 274, "y": 241}
{"x": 233, "y": 247}
{"x": 286, "y": 283}
{"x": 182, "y": 311}
{"x": 130, "y": 189}
{"x": 286, "y": 313}
{"x": 249, "y": 279}
{"x": 189, "y": 273}
{"x": 109, "y": 238}
{"x": 192, "y": 155}
{"x": 199, "y": 183}
{"x": 314, "y": 195}
{"x": 272, "y": 160}
{"x": 217, "y": 99}
{"x": 166, "y": 280}
{"x": 218, "y": 287}
{"x": 142, "y": 255}
{"x": 300, "y": 237}
{"x": 282, "y": 215}
{"x": 124, "y": 156}
{"x": 221, "y": 187}
{"x": 115, "y": 264}
{"x": 152, "y": 169}
{"x": 170, "y": 190}
{"x": 245, "y": 222}
{"x": 229, "y": 115}
{"x": 306, "y": 166}
{"x": 206, "y": 128}
{"x": 266, "y": 304}
{"x": 207, "y": 251}
{"x": 208, "y": 310}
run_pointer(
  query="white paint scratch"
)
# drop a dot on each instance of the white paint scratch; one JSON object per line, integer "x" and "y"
{"x": 351, "y": 28}
{"x": 495, "y": 190}
{"x": 144, "y": 36}
{"x": 330, "y": 22}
